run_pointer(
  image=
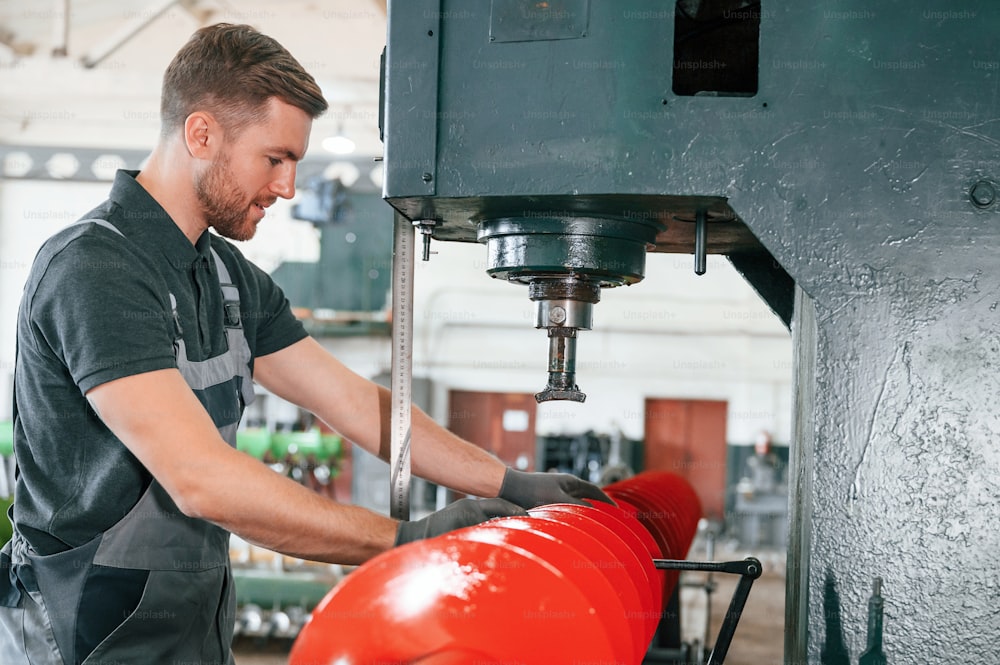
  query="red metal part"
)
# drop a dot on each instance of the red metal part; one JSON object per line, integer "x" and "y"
{"x": 625, "y": 512}
{"x": 581, "y": 559}
{"x": 450, "y": 594}
{"x": 668, "y": 507}
{"x": 567, "y": 583}
{"x": 632, "y": 576}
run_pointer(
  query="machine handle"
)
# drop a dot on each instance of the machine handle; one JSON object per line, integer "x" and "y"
{"x": 749, "y": 569}
{"x": 700, "y": 241}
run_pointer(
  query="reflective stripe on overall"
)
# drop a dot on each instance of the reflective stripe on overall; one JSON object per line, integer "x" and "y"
{"x": 187, "y": 607}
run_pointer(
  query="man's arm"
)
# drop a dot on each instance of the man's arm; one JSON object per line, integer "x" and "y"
{"x": 307, "y": 375}
{"x": 163, "y": 424}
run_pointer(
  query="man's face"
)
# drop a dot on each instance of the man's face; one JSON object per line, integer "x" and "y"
{"x": 250, "y": 172}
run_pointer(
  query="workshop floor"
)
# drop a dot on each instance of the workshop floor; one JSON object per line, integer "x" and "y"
{"x": 759, "y": 639}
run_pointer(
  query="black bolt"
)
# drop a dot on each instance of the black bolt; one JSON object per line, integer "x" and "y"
{"x": 983, "y": 194}
{"x": 426, "y": 177}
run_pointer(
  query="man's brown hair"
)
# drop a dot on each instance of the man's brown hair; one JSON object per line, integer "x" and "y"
{"x": 231, "y": 71}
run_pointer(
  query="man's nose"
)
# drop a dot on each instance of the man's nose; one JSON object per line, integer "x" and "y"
{"x": 284, "y": 185}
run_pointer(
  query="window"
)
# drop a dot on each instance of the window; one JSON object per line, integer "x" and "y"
{"x": 716, "y": 47}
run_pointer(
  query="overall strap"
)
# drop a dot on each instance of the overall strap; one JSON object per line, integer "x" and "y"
{"x": 230, "y": 293}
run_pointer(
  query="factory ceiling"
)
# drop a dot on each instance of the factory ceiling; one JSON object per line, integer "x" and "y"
{"x": 87, "y": 72}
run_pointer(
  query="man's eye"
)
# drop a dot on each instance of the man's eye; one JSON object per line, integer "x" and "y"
{"x": 274, "y": 161}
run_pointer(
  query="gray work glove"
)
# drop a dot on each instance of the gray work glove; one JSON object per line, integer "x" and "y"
{"x": 464, "y": 512}
{"x": 537, "y": 489}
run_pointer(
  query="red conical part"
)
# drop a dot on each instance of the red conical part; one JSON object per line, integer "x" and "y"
{"x": 668, "y": 507}
{"x": 648, "y": 549}
{"x": 450, "y": 595}
{"x": 629, "y": 557}
{"x": 567, "y": 583}
{"x": 584, "y": 561}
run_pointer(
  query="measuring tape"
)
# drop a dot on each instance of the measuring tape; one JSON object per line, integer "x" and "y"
{"x": 402, "y": 365}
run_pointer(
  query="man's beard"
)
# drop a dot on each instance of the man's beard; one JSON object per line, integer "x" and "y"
{"x": 223, "y": 203}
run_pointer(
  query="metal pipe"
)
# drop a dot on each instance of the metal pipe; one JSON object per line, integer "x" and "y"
{"x": 143, "y": 18}
{"x": 700, "y": 242}
{"x": 562, "y": 356}
{"x": 60, "y": 28}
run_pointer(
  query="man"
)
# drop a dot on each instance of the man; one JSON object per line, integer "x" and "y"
{"x": 762, "y": 469}
{"x": 139, "y": 336}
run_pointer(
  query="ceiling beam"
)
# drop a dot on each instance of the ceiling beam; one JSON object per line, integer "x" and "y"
{"x": 128, "y": 31}
{"x": 60, "y": 28}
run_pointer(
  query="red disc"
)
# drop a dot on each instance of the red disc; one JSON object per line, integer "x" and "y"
{"x": 653, "y": 545}
{"x": 668, "y": 507}
{"x": 608, "y": 560}
{"x": 628, "y": 552}
{"x": 625, "y": 512}
{"x": 647, "y": 513}
{"x": 581, "y": 558}
{"x": 451, "y": 594}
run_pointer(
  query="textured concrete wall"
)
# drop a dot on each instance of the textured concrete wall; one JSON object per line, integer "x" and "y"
{"x": 897, "y": 393}
{"x": 904, "y": 468}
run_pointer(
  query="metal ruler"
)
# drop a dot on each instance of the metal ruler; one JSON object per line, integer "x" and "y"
{"x": 402, "y": 367}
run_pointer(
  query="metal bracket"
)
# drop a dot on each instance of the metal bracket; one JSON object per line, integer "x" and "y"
{"x": 426, "y": 228}
{"x": 749, "y": 569}
{"x": 700, "y": 241}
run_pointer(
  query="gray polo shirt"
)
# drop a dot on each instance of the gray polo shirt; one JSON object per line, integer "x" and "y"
{"x": 96, "y": 307}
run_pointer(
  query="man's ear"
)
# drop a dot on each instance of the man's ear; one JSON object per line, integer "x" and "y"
{"x": 202, "y": 135}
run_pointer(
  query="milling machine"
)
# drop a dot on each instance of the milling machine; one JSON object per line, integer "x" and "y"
{"x": 842, "y": 157}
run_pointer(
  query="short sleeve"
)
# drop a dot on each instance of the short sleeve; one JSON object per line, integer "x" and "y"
{"x": 277, "y": 326}
{"x": 96, "y": 305}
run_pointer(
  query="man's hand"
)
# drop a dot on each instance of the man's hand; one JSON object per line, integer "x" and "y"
{"x": 536, "y": 489}
{"x": 461, "y": 513}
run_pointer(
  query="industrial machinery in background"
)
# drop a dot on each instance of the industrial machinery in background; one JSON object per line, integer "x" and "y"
{"x": 594, "y": 456}
{"x": 6, "y": 477}
{"x": 275, "y": 594}
{"x": 310, "y": 457}
{"x": 565, "y": 584}
{"x": 344, "y": 292}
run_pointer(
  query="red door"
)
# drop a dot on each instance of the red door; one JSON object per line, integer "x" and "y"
{"x": 688, "y": 437}
{"x": 502, "y": 423}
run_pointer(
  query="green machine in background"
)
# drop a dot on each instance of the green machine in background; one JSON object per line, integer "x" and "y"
{"x": 309, "y": 457}
{"x": 275, "y": 602}
{"x": 6, "y": 477}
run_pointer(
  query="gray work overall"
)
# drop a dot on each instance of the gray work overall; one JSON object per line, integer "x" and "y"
{"x": 187, "y": 607}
